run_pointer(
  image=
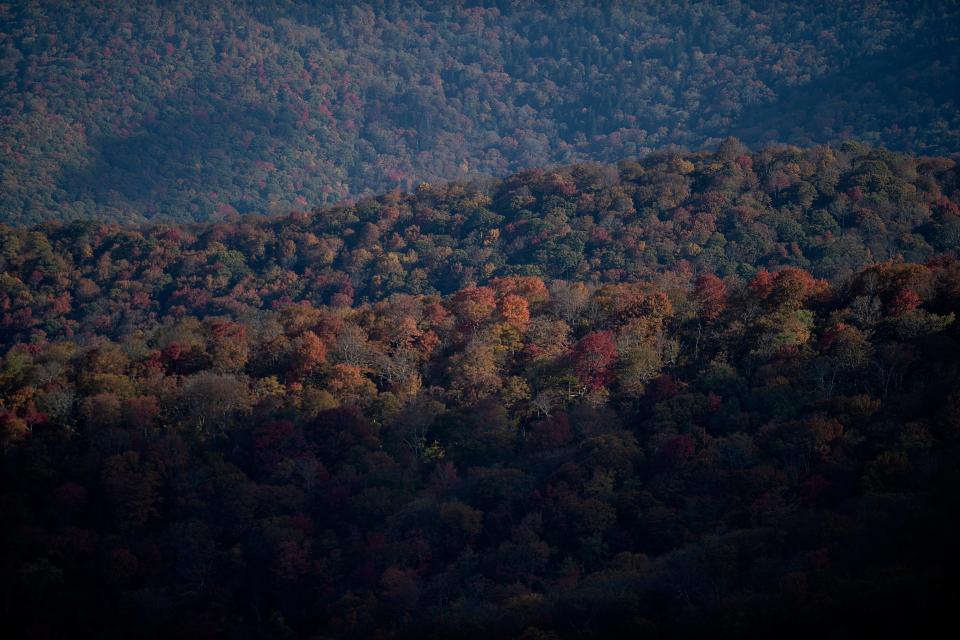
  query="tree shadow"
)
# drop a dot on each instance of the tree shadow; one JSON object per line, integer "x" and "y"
{"x": 907, "y": 87}
{"x": 169, "y": 161}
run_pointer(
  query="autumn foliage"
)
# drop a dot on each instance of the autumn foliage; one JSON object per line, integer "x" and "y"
{"x": 201, "y": 111}
{"x": 234, "y": 429}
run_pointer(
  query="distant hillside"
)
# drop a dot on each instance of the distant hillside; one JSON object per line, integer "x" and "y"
{"x": 189, "y": 110}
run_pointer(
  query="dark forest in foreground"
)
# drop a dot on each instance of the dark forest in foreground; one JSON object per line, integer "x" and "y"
{"x": 126, "y": 111}
{"x": 711, "y": 394}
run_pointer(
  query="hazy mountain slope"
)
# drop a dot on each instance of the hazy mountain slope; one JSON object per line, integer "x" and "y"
{"x": 184, "y": 110}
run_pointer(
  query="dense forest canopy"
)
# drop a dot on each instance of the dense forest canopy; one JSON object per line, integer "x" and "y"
{"x": 731, "y": 213}
{"x": 701, "y": 394}
{"x": 190, "y": 110}
{"x": 422, "y": 320}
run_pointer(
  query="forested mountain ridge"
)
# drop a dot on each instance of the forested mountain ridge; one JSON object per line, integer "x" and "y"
{"x": 394, "y": 319}
{"x": 189, "y": 110}
{"x": 731, "y": 213}
{"x": 699, "y": 393}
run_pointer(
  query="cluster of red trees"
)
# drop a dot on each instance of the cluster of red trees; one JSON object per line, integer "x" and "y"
{"x": 262, "y": 428}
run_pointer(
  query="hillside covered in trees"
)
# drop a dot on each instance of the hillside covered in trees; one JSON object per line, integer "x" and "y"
{"x": 699, "y": 394}
{"x": 126, "y": 111}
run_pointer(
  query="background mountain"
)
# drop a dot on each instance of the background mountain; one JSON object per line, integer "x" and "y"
{"x": 187, "y": 110}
